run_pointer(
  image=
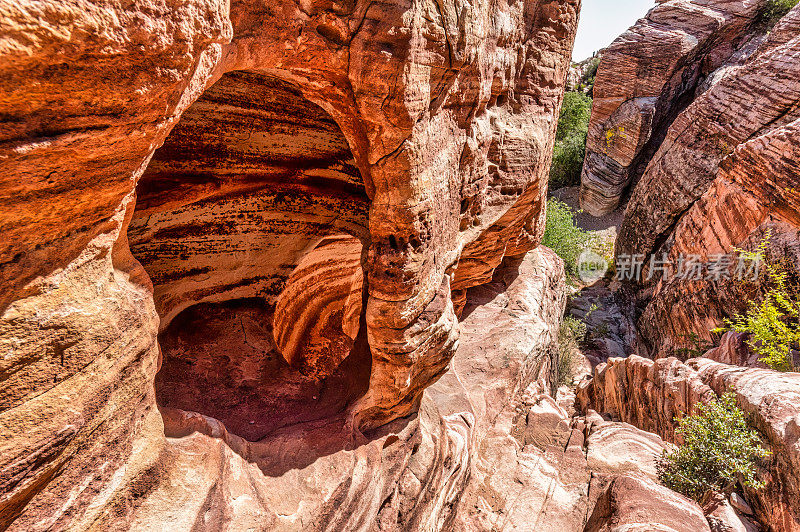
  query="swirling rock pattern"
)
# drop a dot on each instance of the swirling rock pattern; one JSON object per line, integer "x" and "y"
{"x": 317, "y": 316}
{"x": 422, "y": 130}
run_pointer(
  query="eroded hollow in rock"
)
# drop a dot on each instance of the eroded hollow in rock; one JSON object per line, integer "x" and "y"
{"x": 220, "y": 360}
{"x": 251, "y": 222}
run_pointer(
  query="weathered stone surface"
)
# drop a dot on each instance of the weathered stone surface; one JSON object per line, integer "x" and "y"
{"x": 725, "y": 137}
{"x": 634, "y": 504}
{"x": 317, "y": 315}
{"x": 652, "y": 394}
{"x": 620, "y": 449}
{"x": 647, "y": 76}
{"x": 608, "y": 313}
{"x": 245, "y": 186}
{"x": 421, "y": 131}
{"x": 645, "y": 393}
{"x": 520, "y": 472}
{"x": 771, "y": 400}
{"x": 724, "y": 177}
{"x": 734, "y": 350}
{"x": 723, "y": 517}
{"x": 410, "y": 474}
{"x": 532, "y": 466}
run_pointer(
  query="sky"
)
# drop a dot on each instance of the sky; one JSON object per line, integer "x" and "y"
{"x": 603, "y": 20}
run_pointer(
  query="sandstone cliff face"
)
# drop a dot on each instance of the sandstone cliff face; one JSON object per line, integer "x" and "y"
{"x": 647, "y": 77}
{"x": 208, "y": 163}
{"x": 651, "y": 394}
{"x": 724, "y": 177}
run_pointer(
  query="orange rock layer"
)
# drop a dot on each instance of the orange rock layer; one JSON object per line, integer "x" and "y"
{"x": 275, "y": 204}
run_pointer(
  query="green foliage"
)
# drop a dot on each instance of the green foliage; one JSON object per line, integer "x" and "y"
{"x": 718, "y": 450}
{"x": 591, "y": 71}
{"x": 774, "y": 10}
{"x": 575, "y": 112}
{"x": 563, "y": 236}
{"x": 570, "y": 335}
{"x": 568, "y": 156}
{"x": 773, "y": 323}
{"x": 697, "y": 346}
{"x": 570, "y": 147}
{"x": 602, "y": 331}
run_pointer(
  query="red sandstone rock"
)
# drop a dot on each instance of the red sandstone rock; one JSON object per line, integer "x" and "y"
{"x": 645, "y": 79}
{"x": 651, "y": 394}
{"x": 647, "y": 394}
{"x": 423, "y": 130}
{"x": 633, "y": 504}
{"x": 771, "y": 400}
{"x": 528, "y": 466}
{"x": 531, "y": 466}
{"x": 318, "y": 312}
{"x": 722, "y": 517}
{"x": 734, "y": 350}
{"x": 725, "y": 175}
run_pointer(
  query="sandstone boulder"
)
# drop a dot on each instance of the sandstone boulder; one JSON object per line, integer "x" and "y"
{"x": 620, "y": 449}
{"x": 652, "y": 394}
{"x": 633, "y": 504}
{"x": 723, "y": 517}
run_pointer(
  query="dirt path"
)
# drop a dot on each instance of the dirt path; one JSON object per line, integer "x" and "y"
{"x": 601, "y": 306}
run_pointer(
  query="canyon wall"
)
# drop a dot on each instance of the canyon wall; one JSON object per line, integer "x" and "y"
{"x": 281, "y": 206}
{"x": 647, "y": 76}
{"x": 711, "y": 149}
{"x": 652, "y": 395}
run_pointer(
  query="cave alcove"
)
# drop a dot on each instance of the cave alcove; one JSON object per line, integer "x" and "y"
{"x": 251, "y": 222}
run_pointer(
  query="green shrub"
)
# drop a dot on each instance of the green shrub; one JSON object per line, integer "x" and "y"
{"x": 697, "y": 346}
{"x": 570, "y": 335}
{"x": 570, "y": 146}
{"x": 774, "y": 10}
{"x": 568, "y": 156}
{"x": 563, "y": 236}
{"x": 718, "y": 450}
{"x": 773, "y": 323}
{"x": 591, "y": 71}
{"x": 575, "y": 113}
{"x": 772, "y": 335}
{"x": 602, "y": 331}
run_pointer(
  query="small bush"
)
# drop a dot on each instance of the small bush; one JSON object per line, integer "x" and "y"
{"x": 591, "y": 71}
{"x": 563, "y": 236}
{"x": 570, "y": 146}
{"x": 602, "y": 331}
{"x": 773, "y": 11}
{"x": 570, "y": 335}
{"x": 718, "y": 450}
{"x": 773, "y": 323}
{"x": 697, "y": 346}
{"x": 568, "y": 156}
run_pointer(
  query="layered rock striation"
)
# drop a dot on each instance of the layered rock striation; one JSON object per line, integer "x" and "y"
{"x": 747, "y": 196}
{"x": 280, "y": 206}
{"x": 648, "y": 76}
{"x": 721, "y": 177}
